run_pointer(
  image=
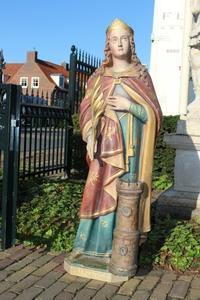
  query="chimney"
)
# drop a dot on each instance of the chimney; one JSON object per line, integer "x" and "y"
{"x": 65, "y": 65}
{"x": 32, "y": 56}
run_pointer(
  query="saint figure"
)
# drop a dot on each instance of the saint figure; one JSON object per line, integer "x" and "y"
{"x": 119, "y": 119}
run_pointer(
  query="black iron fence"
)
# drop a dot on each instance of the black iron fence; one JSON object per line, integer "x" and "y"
{"x": 36, "y": 139}
{"x": 82, "y": 66}
{"x": 43, "y": 140}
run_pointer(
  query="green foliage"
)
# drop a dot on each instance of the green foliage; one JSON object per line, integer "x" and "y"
{"x": 162, "y": 182}
{"x": 48, "y": 215}
{"x": 163, "y": 171}
{"x": 75, "y": 121}
{"x": 173, "y": 244}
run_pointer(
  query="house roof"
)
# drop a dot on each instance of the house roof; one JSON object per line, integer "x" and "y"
{"x": 11, "y": 69}
{"x": 47, "y": 68}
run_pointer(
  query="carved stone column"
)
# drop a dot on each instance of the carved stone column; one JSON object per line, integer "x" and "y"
{"x": 124, "y": 259}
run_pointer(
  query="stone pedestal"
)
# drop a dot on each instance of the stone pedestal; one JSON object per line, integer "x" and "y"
{"x": 183, "y": 200}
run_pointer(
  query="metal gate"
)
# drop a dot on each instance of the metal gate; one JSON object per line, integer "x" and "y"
{"x": 9, "y": 146}
{"x": 34, "y": 123}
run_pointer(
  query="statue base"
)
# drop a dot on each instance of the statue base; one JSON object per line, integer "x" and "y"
{"x": 91, "y": 268}
{"x": 179, "y": 204}
{"x": 183, "y": 200}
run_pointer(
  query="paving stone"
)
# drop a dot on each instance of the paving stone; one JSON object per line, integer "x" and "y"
{"x": 52, "y": 291}
{"x": 106, "y": 292}
{"x": 25, "y": 261}
{"x": 12, "y": 250}
{"x": 129, "y": 286}
{"x": 158, "y": 273}
{"x": 140, "y": 295}
{"x": 193, "y": 294}
{"x": 95, "y": 284}
{"x": 42, "y": 260}
{"x": 29, "y": 293}
{"x": 74, "y": 287}
{"x": 60, "y": 269}
{"x": 59, "y": 258}
{"x": 149, "y": 283}
{"x": 82, "y": 279}
{"x": 187, "y": 278}
{"x": 168, "y": 277}
{"x": 21, "y": 274}
{"x": 195, "y": 284}
{"x": 158, "y": 296}
{"x": 85, "y": 294}
{"x": 20, "y": 253}
{"x": 118, "y": 284}
{"x": 161, "y": 291}
{"x": 4, "y": 274}
{"x": 48, "y": 279}
{"x": 8, "y": 296}
{"x": 67, "y": 278}
{"x": 120, "y": 297}
{"x": 163, "y": 287}
{"x": 64, "y": 296}
{"x": 45, "y": 268}
{"x": 179, "y": 290}
{"x": 5, "y": 263}
{"x": 5, "y": 285}
{"x": 24, "y": 284}
{"x": 4, "y": 255}
{"x": 141, "y": 273}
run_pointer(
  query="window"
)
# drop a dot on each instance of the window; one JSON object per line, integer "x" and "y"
{"x": 61, "y": 83}
{"x": 35, "y": 82}
{"x": 24, "y": 82}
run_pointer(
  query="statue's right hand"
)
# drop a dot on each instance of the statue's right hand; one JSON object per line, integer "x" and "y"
{"x": 91, "y": 148}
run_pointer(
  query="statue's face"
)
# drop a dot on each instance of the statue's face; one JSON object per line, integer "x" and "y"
{"x": 119, "y": 43}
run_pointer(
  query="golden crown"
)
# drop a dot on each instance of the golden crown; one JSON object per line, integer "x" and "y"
{"x": 117, "y": 23}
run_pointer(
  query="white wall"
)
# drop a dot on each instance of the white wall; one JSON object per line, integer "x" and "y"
{"x": 165, "y": 63}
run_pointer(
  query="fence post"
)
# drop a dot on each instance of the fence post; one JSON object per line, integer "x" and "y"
{"x": 2, "y": 66}
{"x": 71, "y": 97}
{"x": 9, "y": 143}
{"x": 72, "y": 78}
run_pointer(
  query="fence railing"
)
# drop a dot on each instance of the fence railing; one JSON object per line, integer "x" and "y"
{"x": 36, "y": 138}
{"x": 82, "y": 66}
{"x": 43, "y": 140}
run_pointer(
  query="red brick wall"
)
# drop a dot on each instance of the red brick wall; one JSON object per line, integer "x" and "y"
{"x": 31, "y": 69}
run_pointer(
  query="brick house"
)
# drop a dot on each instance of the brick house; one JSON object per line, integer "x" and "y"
{"x": 38, "y": 77}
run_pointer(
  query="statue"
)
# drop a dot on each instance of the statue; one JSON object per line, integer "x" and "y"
{"x": 193, "y": 108}
{"x": 119, "y": 119}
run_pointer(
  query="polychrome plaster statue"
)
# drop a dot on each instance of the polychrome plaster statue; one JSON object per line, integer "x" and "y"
{"x": 119, "y": 119}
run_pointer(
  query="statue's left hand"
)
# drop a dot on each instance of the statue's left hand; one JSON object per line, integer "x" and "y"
{"x": 118, "y": 102}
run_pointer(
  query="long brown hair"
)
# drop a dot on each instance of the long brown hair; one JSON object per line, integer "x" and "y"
{"x": 141, "y": 71}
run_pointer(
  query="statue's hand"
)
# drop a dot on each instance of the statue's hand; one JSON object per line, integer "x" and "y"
{"x": 118, "y": 102}
{"x": 91, "y": 147}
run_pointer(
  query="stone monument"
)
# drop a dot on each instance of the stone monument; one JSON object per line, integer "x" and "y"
{"x": 186, "y": 190}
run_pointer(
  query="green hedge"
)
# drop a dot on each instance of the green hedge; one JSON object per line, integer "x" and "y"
{"x": 163, "y": 171}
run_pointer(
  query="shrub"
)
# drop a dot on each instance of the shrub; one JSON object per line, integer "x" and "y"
{"x": 163, "y": 171}
{"x": 48, "y": 214}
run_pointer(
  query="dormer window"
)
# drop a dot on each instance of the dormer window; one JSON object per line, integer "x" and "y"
{"x": 35, "y": 82}
{"x": 24, "y": 82}
{"x": 58, "y": 79}
{"x": 61, "y": 83}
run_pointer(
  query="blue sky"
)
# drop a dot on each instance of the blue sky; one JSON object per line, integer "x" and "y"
{"x": 52, "y": 26}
